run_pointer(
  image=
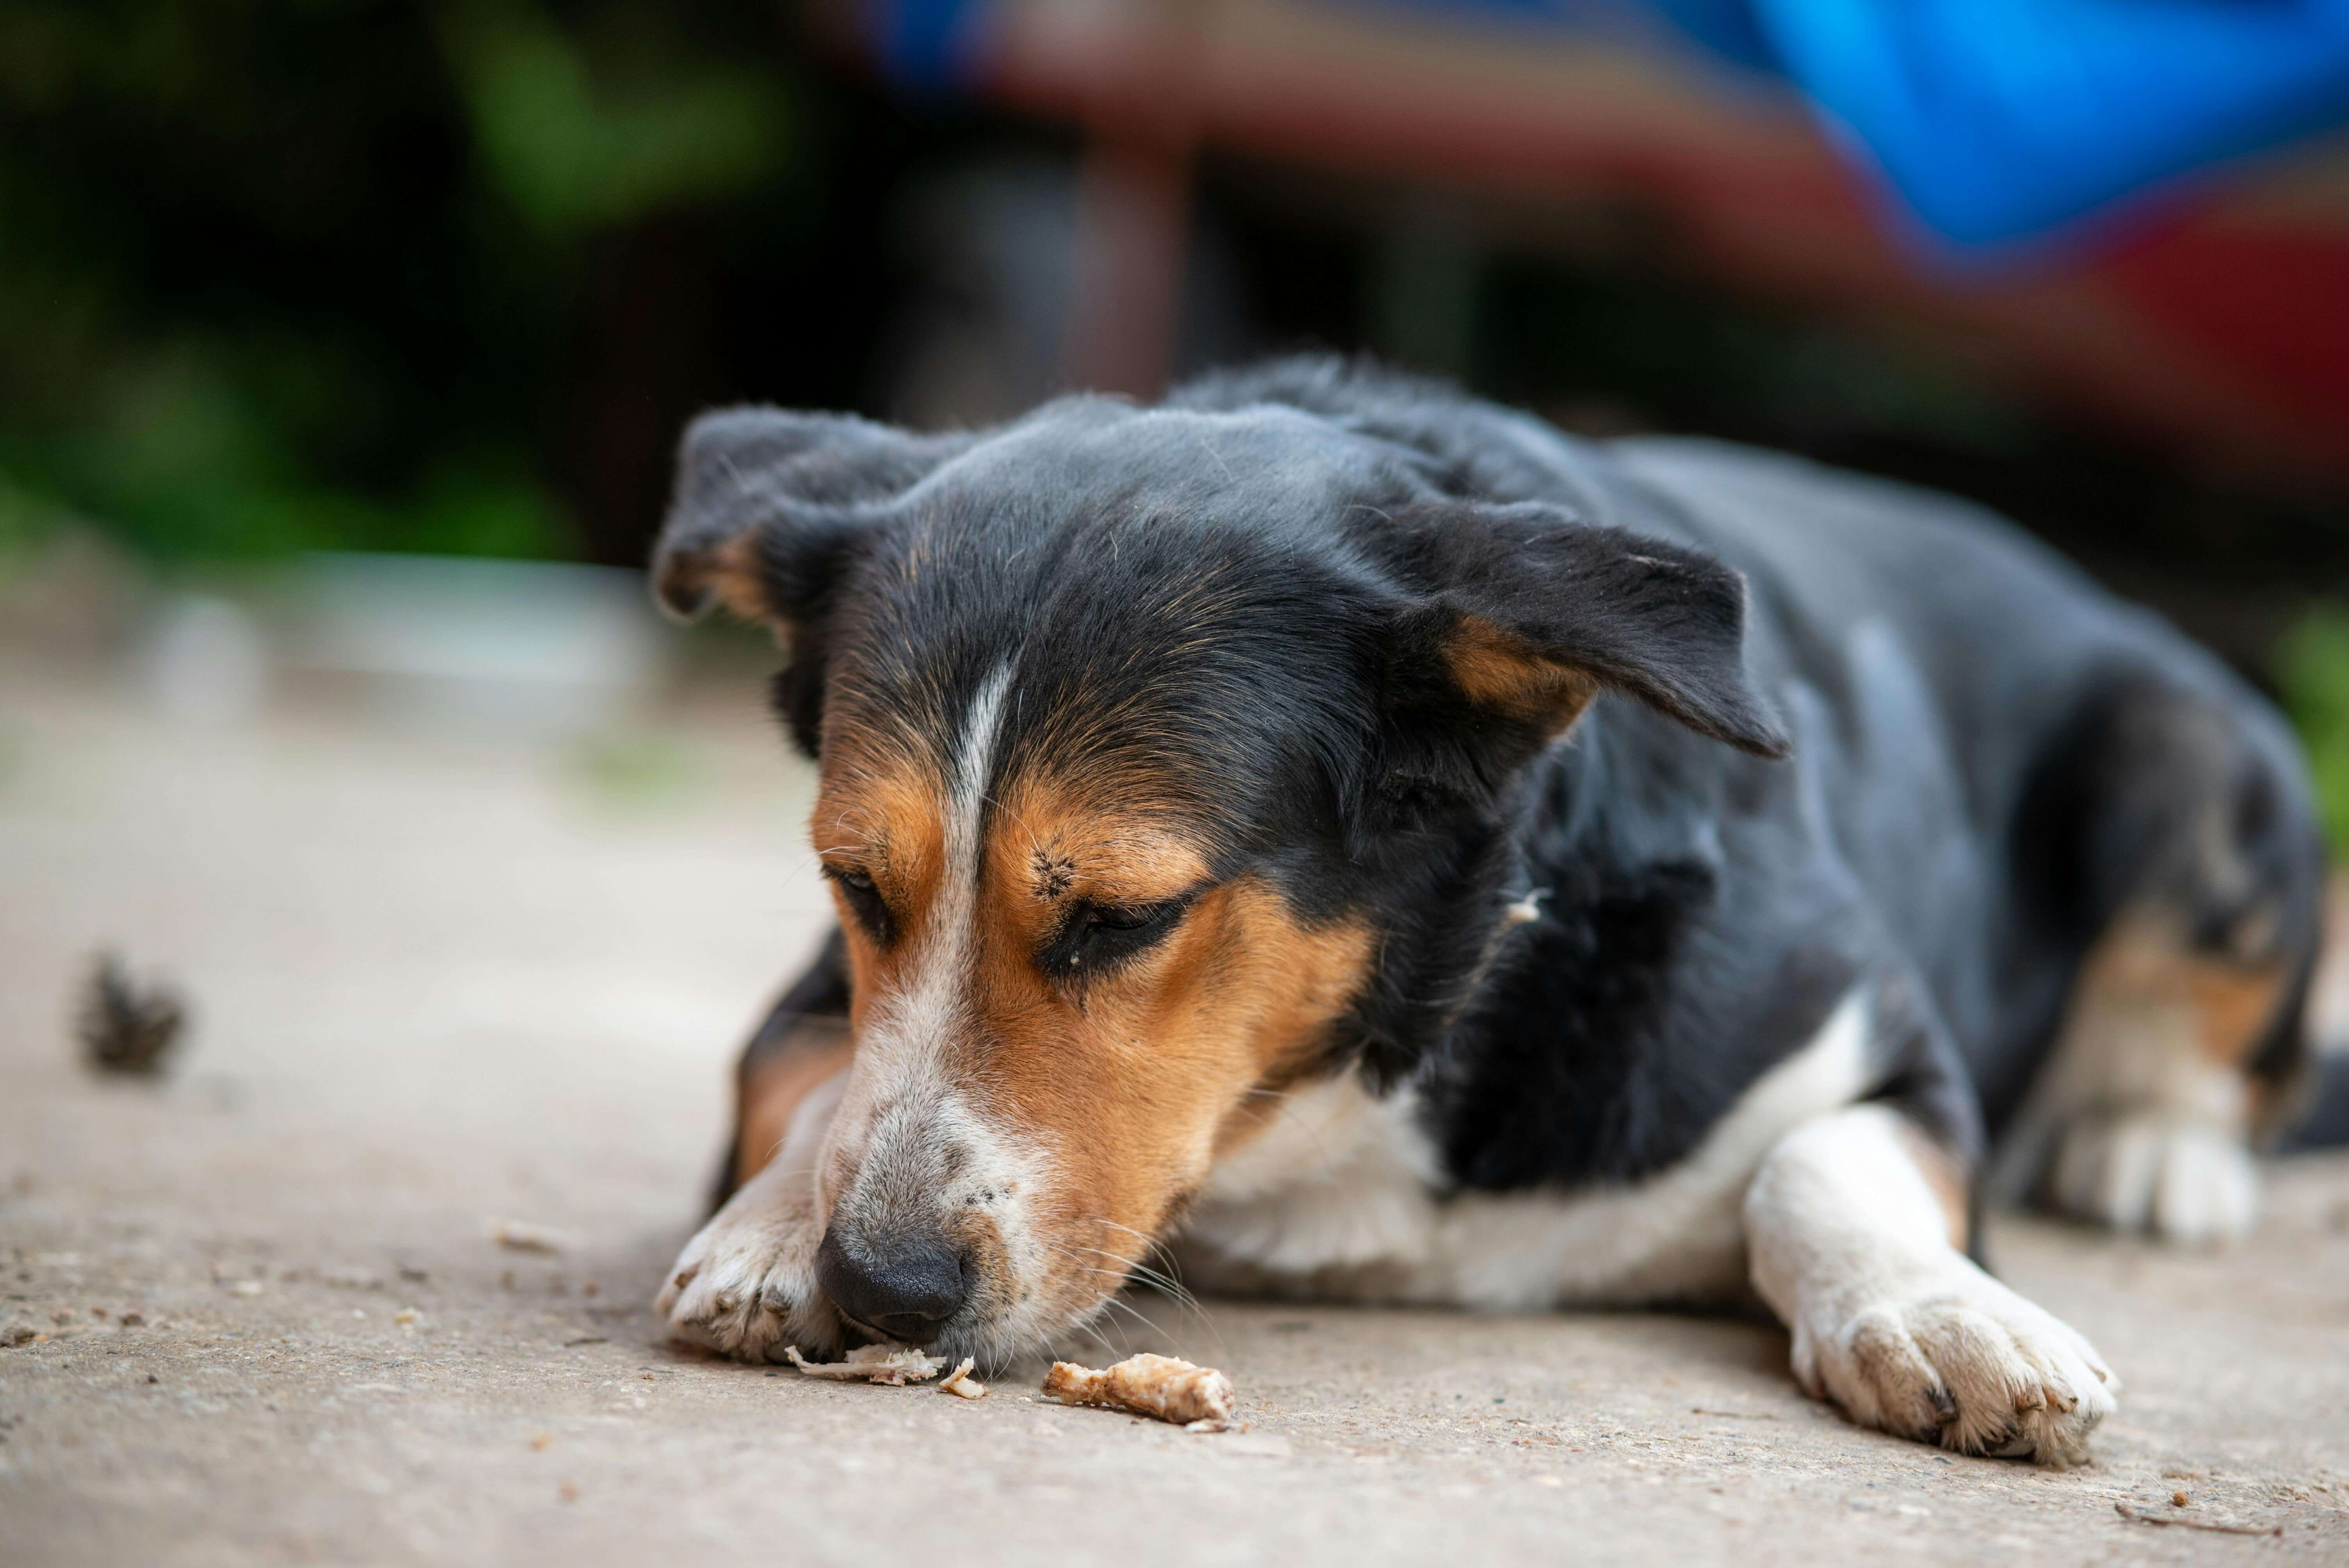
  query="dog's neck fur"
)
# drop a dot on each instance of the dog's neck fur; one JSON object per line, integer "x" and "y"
{"x": 1473, "y": 888}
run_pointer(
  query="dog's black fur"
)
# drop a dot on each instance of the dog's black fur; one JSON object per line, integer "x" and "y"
{"x": 1845, "y": 731}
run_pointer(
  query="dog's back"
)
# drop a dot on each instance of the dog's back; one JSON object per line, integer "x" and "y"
{"x": 2095, "y": 843}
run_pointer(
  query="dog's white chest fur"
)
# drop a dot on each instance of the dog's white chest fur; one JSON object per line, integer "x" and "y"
{"x": 1343, "y": 1192}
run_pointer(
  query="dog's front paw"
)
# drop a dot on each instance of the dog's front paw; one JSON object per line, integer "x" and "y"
{"x": 745, "y": 1285}
{"x": 1952, "y": 1357}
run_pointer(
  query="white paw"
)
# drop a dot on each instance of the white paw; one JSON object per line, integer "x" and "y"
{"x": 1952, "y": 1357}
{"x": 2181, "y": 1178}
{"x": 745, "y": 1285}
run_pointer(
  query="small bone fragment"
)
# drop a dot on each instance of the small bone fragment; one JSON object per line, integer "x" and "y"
{"x": 895, "y": 1365}
{"x": 1160, "y": 1386}
{"x": 961, "y": 1384}
{"x": 521, "y": 1237}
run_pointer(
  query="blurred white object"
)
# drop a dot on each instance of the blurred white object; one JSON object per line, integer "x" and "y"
{"x": 203, "y": 661}
{"x": 520, "y": 649}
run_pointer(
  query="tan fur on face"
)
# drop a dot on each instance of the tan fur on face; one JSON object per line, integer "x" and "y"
{"x": 878, "y": 812}
{"x": 1127, "y": 1080}
{"x": 1139, "y": 1076}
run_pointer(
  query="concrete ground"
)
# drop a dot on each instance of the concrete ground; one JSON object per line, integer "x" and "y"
{"x": 440, "y": 984}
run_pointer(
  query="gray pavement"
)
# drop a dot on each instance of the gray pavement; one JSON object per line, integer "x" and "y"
{"x": 440, "y": 984}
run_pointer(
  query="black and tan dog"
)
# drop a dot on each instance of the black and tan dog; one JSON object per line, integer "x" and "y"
{"x": 1397, "y": 852}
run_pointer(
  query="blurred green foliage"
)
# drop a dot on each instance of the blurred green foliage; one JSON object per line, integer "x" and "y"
{"x": 279, "y": 274}
{"x": 2311, "y": 668}
{"x": 574, "y": 147}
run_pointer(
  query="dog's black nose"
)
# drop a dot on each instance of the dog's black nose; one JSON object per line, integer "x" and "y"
{"x": 905, "y": 1287}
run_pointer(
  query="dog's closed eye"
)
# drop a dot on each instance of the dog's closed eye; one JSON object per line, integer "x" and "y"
{"x": 1096, "y": 937}
{"x": 864, "y": 901}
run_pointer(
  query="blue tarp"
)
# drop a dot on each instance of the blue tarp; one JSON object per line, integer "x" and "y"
{"x": 1990, "y": 120}
{"x": 1996, "y": 119}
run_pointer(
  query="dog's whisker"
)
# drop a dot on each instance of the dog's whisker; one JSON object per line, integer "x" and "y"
{"x": 1132, "y": 1269}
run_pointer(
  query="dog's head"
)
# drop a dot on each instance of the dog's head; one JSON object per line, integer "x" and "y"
{"x": 1167, "y": 760}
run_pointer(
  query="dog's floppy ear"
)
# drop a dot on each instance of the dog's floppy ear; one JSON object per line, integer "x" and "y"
{"x": 1521, "y": 613}
{"x": 769, "y": 506}
{"x": 765, "y": 505}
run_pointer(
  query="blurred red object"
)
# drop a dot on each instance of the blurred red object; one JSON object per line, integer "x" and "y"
{"x": 2217, "y": 320}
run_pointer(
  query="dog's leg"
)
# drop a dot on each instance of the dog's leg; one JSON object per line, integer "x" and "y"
{"x": 1855, "y": 1225}
{"x": 2151, "y": 1089}
{"x": 2180, "y": 836}
{"x": 745, "y": 1285}
{"x": 803, "y": 1041}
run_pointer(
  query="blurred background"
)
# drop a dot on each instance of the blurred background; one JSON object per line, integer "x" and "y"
{"x": 344, "y": 343}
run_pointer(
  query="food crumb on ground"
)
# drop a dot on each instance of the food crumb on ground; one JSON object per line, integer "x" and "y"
{"x": 1200, "y": 1398}
{"x": 521, "y": 1237}
{"x": 961, "y": 1384}
{"x": 894, "y": 1365}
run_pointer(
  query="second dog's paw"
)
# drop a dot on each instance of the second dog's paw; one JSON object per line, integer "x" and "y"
{"x": 1955, "y": 1358}
{"x": 745, "y": 1285}
{"x": 2183, "y": 1180}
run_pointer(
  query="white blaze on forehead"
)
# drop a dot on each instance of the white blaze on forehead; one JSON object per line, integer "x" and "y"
{"x": 945, "y": 964}
{"x": 897, "y": 1074}
{"x": 926, "y": 1009}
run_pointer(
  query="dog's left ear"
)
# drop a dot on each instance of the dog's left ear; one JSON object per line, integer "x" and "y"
{"x": 764, "y": 504}
{"x": 1522, "y": 613}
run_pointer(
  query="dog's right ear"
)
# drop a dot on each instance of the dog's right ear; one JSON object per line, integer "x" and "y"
{"x": 766, "y": 508}
{"x": 770, "y": 506}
